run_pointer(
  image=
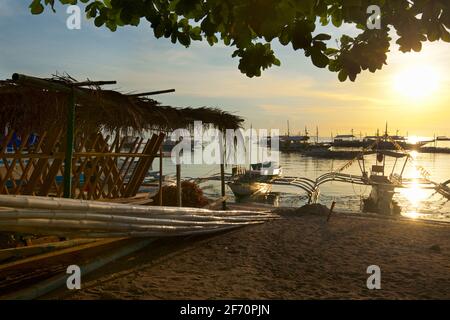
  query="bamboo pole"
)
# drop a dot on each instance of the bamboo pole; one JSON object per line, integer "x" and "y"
{"x": 118, "y": 183}
{"x": 61, "y": 227}
{"x": 142, "y": 166}
{"x": 151, "y": 93}
{"x": 153, "y": 219}
{"x": 65, "y": 224}
{"x": 69, "y": 145}
{"x": 179, "y": 190}
{"x": 19, "y": 201}
{"x": 222, "y": 180}
{"x": 52, "y": 85}
{"x": 157, "y": 234}
{"x": 222, "y": 172}
{"x": 94, "y": 83}
{"x": 80, "y": 216}
{"x": 160, "y": 200}
{"x": 122, "y": 233}
{"x": 61, "y": 155}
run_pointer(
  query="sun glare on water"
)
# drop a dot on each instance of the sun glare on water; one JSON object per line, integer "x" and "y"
{"x": 417, "y": 82}
{"x": 414, "y": 193}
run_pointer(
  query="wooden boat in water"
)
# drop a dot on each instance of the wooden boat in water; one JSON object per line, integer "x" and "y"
{"x": 246, "y": 189}
{"x": 350, "y": 141}
{"x": 247, "y": 183}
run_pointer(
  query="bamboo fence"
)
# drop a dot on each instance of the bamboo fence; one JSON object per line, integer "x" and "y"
{"x": 33, "y": 164}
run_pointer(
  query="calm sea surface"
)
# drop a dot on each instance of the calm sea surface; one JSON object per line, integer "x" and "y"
{"x": 416, "y": 203}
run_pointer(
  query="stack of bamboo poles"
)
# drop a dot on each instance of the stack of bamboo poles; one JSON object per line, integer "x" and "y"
{"x": 95, "y": 219}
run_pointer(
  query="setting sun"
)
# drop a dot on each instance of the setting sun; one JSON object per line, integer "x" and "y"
{"x": 417, "y": 82}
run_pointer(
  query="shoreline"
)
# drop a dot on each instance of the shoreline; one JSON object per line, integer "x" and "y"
{"x": 295, "y": 257}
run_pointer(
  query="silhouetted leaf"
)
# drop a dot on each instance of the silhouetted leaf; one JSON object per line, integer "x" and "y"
{"x": 245, "y": 24}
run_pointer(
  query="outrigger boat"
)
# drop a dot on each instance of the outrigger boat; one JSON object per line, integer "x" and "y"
{"x": 247, "y": 183}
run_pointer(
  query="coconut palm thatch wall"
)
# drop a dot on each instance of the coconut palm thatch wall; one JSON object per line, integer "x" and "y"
{"x": 106, "y": 163}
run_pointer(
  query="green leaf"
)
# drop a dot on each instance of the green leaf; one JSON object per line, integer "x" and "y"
{"x": 336, "y": 18}
{"x": 352, "y": 77}
{"x": 324, "y": 20}
{"x": 301, "y": 35}
{"x": 319, "y": 59}
{"x": 322, "y": 37}
{"x": 111, "y": 25}
{"x": 99, "y": 21}
{"x": 242, "y": 24}
{"x": 342, "y": 76}
{"x": 184, "y": 39}
{"x": 331, "y": 51}
{"x": 195, "y": 33}
{"x": 285, "y": 36}
{"x": 445, "y": 35}
{"x": 212, "y": 40}
{"x": 36, "y": 7}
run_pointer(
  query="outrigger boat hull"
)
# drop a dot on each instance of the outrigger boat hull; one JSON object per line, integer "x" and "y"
{"x": 246, "y": 189}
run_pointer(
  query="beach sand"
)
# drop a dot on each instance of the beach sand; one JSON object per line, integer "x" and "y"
{"x": 295, "y": 257}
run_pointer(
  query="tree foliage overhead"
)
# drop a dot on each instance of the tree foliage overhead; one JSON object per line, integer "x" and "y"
{"x": 250, "y": 26}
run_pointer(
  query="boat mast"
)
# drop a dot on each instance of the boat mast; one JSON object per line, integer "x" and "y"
{"x": 386, "y": 132}
{"x": 317, "y": 134}
{"x": 251, "y": 146}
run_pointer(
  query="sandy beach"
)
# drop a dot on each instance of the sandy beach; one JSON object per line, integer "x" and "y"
{"x": 295, "y": 257}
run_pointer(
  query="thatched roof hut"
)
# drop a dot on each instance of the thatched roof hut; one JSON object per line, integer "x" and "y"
{"x": 60, "y": 126}
{"x": 25, "y": 107}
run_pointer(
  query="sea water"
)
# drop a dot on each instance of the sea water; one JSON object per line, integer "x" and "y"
{"x": 416, "y": 203}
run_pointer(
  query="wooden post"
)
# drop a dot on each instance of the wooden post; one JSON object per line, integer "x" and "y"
{"x": 222, "y": 171}
{"x": 331, "y": 210}
{"x": 222, "y": 179}
{"x": 363, "y": 163}
{"x": 179, "y": 191}
{"x": 160, "y": 175}
{"x": 178, "y": 167}
{"x": 69, "y": 146}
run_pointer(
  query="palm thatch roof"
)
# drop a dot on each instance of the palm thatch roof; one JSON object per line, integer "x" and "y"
{"x": 25, "y": 107}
